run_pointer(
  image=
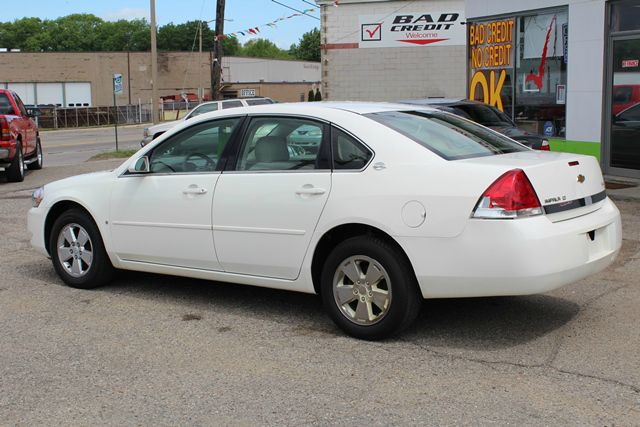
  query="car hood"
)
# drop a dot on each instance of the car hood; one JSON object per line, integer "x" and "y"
{"x": 84, "y": 180}
{"x": 163, "y": 127}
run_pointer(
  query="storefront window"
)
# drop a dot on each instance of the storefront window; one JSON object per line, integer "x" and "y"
{"x": 541, "y": 73}
{"x": 491, "y": 57}
{"x": 519, "y": 65}
{"x": 625, "y": 16}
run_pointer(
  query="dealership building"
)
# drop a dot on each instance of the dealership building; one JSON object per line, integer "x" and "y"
{"x": 85, "y": 79}
{"x": 565, "y": 69}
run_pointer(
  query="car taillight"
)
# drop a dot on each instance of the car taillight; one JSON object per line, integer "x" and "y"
{"x": 5, "y": 132}
{"x": 545, "y": 145}
{"x": 510, "y": 196}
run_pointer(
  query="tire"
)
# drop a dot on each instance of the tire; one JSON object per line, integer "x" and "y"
{"x": 385, "y": 300}
{"x": 37, "y": 165}
{"x": 83, "y": 266}
{"x": 15, "y": 172}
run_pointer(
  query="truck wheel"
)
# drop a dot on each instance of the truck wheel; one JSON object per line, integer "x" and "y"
{"x": 15, "y": 172}
{"x": 37, "y": 165}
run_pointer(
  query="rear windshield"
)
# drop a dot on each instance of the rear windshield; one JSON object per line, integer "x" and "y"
{"x": 485, "y": 115}
{"x": 5, "y": 104}
{"x": 259, "y": 101}
{"x": 447, "y": 135}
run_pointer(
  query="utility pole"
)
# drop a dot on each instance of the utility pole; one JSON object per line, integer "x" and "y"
{"x": 154, "y": 65}
{"x": 216, "y": 68}
{"x": 200, "y": 85}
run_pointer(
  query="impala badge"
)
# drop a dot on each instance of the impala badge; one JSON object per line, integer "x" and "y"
{"x": 581, "y": 178}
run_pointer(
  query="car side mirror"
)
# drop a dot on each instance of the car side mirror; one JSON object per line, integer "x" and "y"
{"x": 140, "y": 166}
{"x": 33, "y": 112}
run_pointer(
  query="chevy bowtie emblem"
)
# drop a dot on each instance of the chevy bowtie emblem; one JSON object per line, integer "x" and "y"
{"x": 581, "y": 178}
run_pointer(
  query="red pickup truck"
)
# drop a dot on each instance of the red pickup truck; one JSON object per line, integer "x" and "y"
{"x": 19, "y": 137}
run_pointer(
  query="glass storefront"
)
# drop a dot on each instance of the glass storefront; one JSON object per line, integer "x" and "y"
{"x": 624, "y": 89}
{"x": 519, "y": 64}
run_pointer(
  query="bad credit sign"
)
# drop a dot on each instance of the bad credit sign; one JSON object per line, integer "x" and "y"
{"x": 491, "y": 55}
{"x": 411, "y": 29}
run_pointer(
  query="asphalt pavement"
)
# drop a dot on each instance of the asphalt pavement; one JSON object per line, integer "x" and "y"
{"x": 157, "y": 350}
{"x": 73, "y": 146}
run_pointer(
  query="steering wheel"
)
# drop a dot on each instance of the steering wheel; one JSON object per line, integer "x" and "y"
{"x": 210, "y": 165}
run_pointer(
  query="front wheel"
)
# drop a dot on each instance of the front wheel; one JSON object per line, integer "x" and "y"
{"x": 77, "y": 251}
{"x": 369, "y": 289}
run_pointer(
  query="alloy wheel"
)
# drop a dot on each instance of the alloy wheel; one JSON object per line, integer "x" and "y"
{"x": 362, "y": 290}
{"x": 75, "y": 250}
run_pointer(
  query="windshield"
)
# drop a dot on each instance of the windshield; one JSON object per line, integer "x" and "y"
{"x": 485, "y": 115}
{"x": 447, "y": 135}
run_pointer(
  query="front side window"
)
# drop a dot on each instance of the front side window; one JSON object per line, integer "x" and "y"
{"x": 447, "y": 135}
{"x": 279, "y": 143}
{"x": 21, "y": 106}
{"x": 204, "y": 108}
{"x": 195, "y": 149}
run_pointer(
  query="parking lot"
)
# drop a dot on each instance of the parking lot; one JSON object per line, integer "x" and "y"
{"x": 166, "y": 351}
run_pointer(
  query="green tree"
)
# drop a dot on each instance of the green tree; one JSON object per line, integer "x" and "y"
{"x": 125, "y": 35}
{"x": 75, "y": 33}
{"x": 231, "y": 47}
{"x": 263, "y": 48}
{"x": 311, "y": 96}
{"x": 318, "y": 96}
{"x": 308, "y": 48}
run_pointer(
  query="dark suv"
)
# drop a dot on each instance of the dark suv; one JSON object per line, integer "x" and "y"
{"x": 487, "y": 116}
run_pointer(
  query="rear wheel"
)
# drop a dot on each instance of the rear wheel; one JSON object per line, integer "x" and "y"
{"x": 15, "y": 172}
{"x": 77, "y": 251}
{"x": 369, "y": 289}
{"x": 39, "y": 158}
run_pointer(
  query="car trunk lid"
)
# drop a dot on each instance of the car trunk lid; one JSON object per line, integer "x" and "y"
{"x": 567, "y": 185}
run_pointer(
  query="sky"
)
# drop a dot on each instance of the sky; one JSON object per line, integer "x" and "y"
{"x": 240, "y": 14}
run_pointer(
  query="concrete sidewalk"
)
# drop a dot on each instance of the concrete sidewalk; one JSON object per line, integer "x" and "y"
{"x": 631, "y": 190}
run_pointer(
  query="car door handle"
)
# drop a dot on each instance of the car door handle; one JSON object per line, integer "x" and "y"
{"x": 194, "y": 190}
{"x": 310, "y": 191}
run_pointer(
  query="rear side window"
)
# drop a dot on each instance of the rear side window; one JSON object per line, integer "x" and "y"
{"x": 348, "y": 153}
{"x": 5, "y": 105}
{"x": 259, "y": 101}
{"x": 204, "y": 108}
{"x": 447, "y": 135}
{"x": 231, "y": 104}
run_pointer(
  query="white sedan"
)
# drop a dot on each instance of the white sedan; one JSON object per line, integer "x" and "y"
{"x": 394, "y": 204}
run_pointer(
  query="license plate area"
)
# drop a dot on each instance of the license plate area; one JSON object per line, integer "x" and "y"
{"x": 600, "y": 241}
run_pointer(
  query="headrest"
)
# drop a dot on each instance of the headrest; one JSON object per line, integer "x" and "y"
{"x": 272, "y": 149}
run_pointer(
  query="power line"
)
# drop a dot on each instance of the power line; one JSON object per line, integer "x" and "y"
{"x": 297, "y": 10}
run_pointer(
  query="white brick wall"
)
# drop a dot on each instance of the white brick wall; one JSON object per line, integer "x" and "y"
{"x": 388, "y": 74}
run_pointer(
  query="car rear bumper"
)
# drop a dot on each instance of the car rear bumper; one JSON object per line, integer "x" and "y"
{"x": 515, "y": 257}
{"x": 35, "y": 226}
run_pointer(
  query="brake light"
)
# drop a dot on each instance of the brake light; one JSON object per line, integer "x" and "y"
{"x": 5, "y": 132}
{"x": 510, "y": 196}
{"x": 545, "y": 145}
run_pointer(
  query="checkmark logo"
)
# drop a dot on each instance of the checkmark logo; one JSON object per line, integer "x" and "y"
{"x": 372, "y": 32}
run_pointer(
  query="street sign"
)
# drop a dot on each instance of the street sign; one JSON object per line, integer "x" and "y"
{"x": 118, "y": 88}
{"x": 247, "y": 93}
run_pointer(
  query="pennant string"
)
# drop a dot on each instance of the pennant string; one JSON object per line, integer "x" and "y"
{"x": 272, "y": 24}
